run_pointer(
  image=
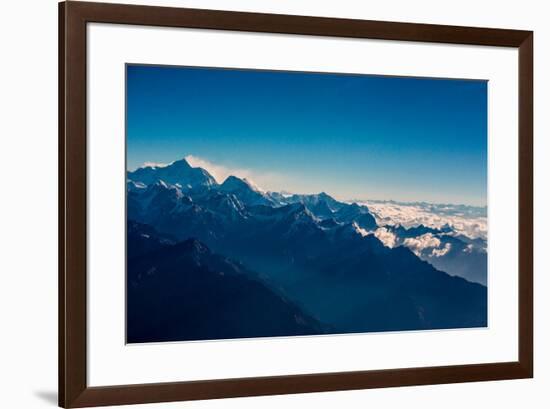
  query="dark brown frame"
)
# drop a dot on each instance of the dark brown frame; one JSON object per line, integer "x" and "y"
{"x": 73, "y": 388}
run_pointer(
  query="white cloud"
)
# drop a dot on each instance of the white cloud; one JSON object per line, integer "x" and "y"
{"x": 409, "y": 215}
{"x": 443, "y": 251}
{"x": 425, "y": 242}
{"x": 259, "y": 180}
{"x": 360, "y": 230}
{"x": 417, "y": 244}
{"x": 385, "y": 236}
{"x": 155, "y": 165}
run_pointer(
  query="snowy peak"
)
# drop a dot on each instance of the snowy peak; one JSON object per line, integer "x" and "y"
{"x": 237, "y": 198}
{"x": 245, "y": 190}
{"x": 178, "y": 173}
{"x": 358, "y": 214}
{"x": 233, "y": 183}
{"x": 133, "y": 186}
{"x": 180, "y": 164}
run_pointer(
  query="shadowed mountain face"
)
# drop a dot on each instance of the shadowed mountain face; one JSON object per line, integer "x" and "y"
{"x": 184, "y": 292}
{"x": 209, "y": 261}
{"x": 245, "y": 191}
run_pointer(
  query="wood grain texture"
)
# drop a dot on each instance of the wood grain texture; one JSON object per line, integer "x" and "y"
{"x": 73, "y": 389}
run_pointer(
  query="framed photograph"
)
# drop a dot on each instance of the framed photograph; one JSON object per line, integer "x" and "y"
{"x": 255, "y": 204}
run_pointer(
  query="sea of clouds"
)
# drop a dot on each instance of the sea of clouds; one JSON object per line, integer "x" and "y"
{"x": 470, "y": 221}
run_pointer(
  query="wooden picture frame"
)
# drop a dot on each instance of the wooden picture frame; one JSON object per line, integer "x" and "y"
{"x": 73, "y": 388}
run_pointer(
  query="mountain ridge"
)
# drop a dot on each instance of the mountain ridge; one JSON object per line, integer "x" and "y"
{"x": 169, "y": 290}
{"x": 328, "y": 257}
{"x": 238, "y": 200}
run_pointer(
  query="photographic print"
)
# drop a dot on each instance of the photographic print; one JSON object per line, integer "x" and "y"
{"x": 274, "y": 203}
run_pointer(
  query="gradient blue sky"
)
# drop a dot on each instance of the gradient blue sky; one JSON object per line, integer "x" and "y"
{"x": 352, "y": 136}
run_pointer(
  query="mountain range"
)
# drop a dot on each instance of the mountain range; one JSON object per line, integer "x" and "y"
{"x": 220, "y": 261}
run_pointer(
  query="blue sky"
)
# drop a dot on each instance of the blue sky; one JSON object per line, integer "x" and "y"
{"x": 352, "y": 136}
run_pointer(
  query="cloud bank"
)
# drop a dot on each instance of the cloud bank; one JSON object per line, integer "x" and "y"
{"x": 417, "y": 244}
{"x": 386, "y": 237}
{"x": 467, "y": 220}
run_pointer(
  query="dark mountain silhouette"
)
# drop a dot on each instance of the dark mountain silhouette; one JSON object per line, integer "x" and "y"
{"x": 415, "y": 231}
{"x": 142, "y": 239}
{"x": 184, "y": 292}
{"x": 357, "y": 284}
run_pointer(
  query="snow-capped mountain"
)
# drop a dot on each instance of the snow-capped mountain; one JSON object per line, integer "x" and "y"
{"x": 178, "y": 173}
{"x": 186, "y": 201}
{"x": 321, "y": 202}
{"x": 342, "y": 268}
{"x": 245, "y": 191}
